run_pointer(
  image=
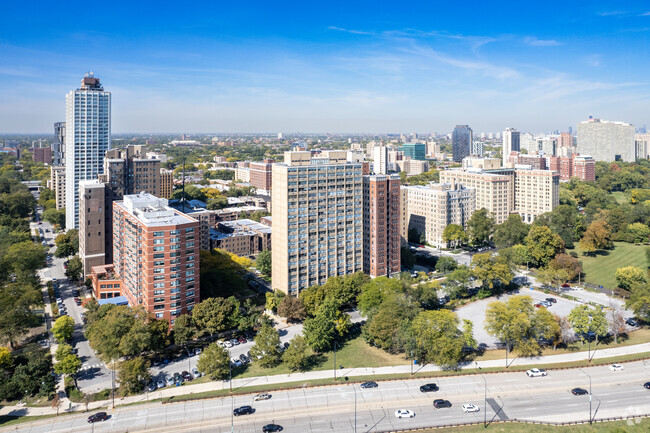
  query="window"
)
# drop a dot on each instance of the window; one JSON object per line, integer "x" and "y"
{"x": 190, "y": 230}
{"x": 159, "y": 248}
{"x": 190, "y": 258}
{"x": 158, "y": 241}
{"x": 159, "y": 256}
{"x": 175, "y": 232}
{"x": 158, "y": 277}
{"x": 158, "y": 292}
{"x": 159, "y": 271}
{"x": 160, "y": 316}
{"x": 159, "y": 263}
{"x": 158, "y": 285}
{"x": 159, "y": 307}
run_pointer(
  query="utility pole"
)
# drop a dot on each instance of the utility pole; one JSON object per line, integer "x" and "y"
{"x": 113, "y": 383}
{"x": 355, "y": 409}
{"x": 335, "y": 344}
{"x": 484, "y": 398}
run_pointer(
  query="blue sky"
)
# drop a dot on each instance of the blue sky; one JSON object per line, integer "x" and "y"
{"x": 335, "y": 66}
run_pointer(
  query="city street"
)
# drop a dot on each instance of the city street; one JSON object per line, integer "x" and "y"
{"x": 509, "y": 396}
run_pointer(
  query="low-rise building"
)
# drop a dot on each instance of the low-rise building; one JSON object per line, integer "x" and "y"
{"x": 242, "y": 237}
{"x": 106, "y": 283}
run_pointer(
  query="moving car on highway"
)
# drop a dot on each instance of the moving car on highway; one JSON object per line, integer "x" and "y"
{"x": 271, "y": 428}
{"x": 244, "y": 410}
{"x": 99, "y": 416}
{"x": 370, "y": 384}
{"x": 579, "y": 391}
{"x": 468, "y": 407}
{"x": 263, "y": 396}
{"x": 428, "y": 387}
{"x": 536, "y": 372}
{"x": 616, "y": 367}
{"x": 404, "y": 413}
{"x": 440, "y": 403}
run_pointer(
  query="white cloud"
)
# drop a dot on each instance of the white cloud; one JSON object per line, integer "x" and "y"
{"x": 354, "y": 32}
{"x": 535, "y": 42}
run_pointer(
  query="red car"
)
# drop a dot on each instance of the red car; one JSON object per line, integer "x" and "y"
{"x": 538, "y": 305}
{"x": 242, "y": 340}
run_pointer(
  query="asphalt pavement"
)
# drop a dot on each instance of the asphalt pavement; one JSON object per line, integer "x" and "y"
{"x": 336, "y": 408}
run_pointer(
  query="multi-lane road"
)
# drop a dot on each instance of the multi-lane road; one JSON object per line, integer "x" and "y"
{"x": 335, "y": 408}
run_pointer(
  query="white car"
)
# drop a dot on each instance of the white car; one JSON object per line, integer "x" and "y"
{"x": 470, "y": 408}
{"x": 220, "y": 343}
{"x": 616, "y": 367}
{"x": 160, "y": 383}
{"x": 196, "y": 373}
{"x": 263, "y": 396}
{"x": 227, "y": 344}
{"x": 197, "y": 351}
{"x": 536, "y": 372}
{"x": 404, "y": 413}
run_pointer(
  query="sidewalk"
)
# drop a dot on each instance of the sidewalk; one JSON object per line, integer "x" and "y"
{"x": 315, "y": 375}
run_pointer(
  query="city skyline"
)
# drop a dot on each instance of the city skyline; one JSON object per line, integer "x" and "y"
{"x": 369, "y": 67}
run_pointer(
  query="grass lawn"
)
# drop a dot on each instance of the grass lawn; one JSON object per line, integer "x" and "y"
{"x": 600, "y": 269}
{"x": 631, "y": 426}
{"x": 8, "y": 420}
{"x": 620, "y": 197}
{"x": 353, "y": 353}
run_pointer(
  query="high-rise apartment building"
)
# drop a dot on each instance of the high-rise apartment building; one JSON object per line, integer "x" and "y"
{"x": 431, "y": 208}
{"x": 156, "y": 255}
{"x": 57, "y": 184}
{"x": 642, "y": 145}
{"x": 380, "y": 160}
{"x": 88, "y": 137}
{"x": 58, "y": 144}
{"x": 92, "y": 224}
{"x": 317, "y": 219}
{"x": 461, "y": 142}
{"x": 511, "y": 143}
{"x": 42, "y": 155}
{"x": 536, "y": 192}
{"x": 494, "y": 190}
{"x": 606, "y": 141}
{"x": 415, "y": 151}
{"x": 584, "y": 168}
{"x": 566, "y": 139}
{"x": 166, "y": 183}
{"x": 381, "y": 225}
{"x": 261, "y": 176}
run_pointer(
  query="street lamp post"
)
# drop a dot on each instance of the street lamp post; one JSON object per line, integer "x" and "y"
{"x": 484, "y": 398}
{"x": 590, "y": 420}
{"x": 113, "y": 383}
{"x": 230, "y": 373}
{"x": 355, "y": 408}
{"x": 335, "y": 344}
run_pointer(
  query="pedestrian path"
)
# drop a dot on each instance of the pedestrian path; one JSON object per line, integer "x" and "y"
{"x": 306, "y": 377}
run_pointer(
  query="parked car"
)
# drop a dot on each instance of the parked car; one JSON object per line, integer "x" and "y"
{"x": 242, "y": 340}
{"x": 370, "y": 384}
{"x": 220, "y": 343}
{"x": 536, "y": 372}
{"x": 99, "y": 416}
{"x": 244, "y": 410}
{"x": 198, "y": 351}
{"x": 429, "y": 387}
{"x": 440, "y": 403}
{"x": 646, "y": 385}
{"x": 631, "y": 322}
{"x": 579, "y": 391}
{"x": 467, "y": 408}
{"x": 161, "y": 383}
{"x": 244, "y": 359}
{"x": 227, "y": 344}
{"x": 196, "y": 373}
{"x": 170, "y": 380}
{"x": 404, "y": 413}
{"x": 187, "y": 376}
{"x": 234, "y": 342}
{"x": 616, "y": 367}
{"x": 271, "y": 428}
{"x": 237, "y": 362}
{"x": 538, "y": 305}
{"x": 286, "y": 345}
{"x": 151, "y": 386}
{"x": 263, "y": 396}
{"x": 178, "y": 379}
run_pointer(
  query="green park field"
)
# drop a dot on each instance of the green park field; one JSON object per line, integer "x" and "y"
{"x": 600, "y": 268}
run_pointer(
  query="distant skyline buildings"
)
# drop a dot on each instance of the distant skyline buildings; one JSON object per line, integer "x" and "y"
{"x": 461, "y": 142}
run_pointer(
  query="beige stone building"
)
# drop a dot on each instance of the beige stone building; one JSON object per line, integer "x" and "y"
{"x": 536, "y": 192}
{"x": 166, "y": 183}
{"x": 431, "y": 208}
{"x": 92, "y": 224}
{"x": 494, "y": 192}
{"x": 317, "y": 219}
{"x": 413, "y": 166}
{"x": 57, "y": 184}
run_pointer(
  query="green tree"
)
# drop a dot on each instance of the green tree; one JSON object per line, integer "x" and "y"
{"x": 6, "y": 360}
{"x": 598, "y": 236}
{"x": 266, "y": 345}
{"x": 565, "y": 222}
{"x": 184, "y": 329}
{"x": 492, "y": 271}
{"x": 25, "y": 258}
{"x": 585, "y": 320}
{"x": 377, "y": 291}
{"x": 569, "y": 264}
{"x": 637, "y": 233}
{"x": 16, "y": 303}
{"x": 296, "y": 357}
{"x": 215, "y": 315}
{"x": 511, "y": 232}
{"x": 217, "y": 203}
{"x": 468, "y": 334}
{"x": 133, "y": 374}
{"x": 214, "y": 362}
{"x": 292, "y": 308}
{"x": 69, "y": 365}
{"x": 543, "y": 245}
{"x": 547, "y": 326}
{"x": 388, "y": 326}
{"x": 512, "y": 322}
{"x": 274, "y": 299}
{"x": 67, "y": 244}
{"x": 263, "y": 262}
{"x": 437, "y": 338}
{"x": 480, "y": 227}
{"x": 55, "y": 217}
{"x": 75, "y": 268}
{"x": 63, "y": 328}
{"x": 639, "y": 301}
{"x": 454, "y": 235}
{"x": 446, "y": 264}
{"x": 629, "y": 277}
{"x": 458, "y": 281}
{"x": 321, "y": 330}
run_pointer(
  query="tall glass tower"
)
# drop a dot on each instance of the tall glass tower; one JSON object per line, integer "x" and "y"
{"x": 461, "y": 142}
{"x": 88, "y": 137}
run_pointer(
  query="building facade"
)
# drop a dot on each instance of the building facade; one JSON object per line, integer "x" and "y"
{"x": 88, "y": 137}
{"x": 431, "y": 208}
{"x": 380, "y": 160}
{"x": 381, "y": 225}
{"x": 57, "y": 184}
{"x": 261, "y": 176}
{"x": 416, "y": 151}
{"x": 58, "y": 144}
{"x": 536, "y": 192}
{"x": 156, "y": 255}
{"x": 461, "y": 142}
{"x": 242, "y": 237}
{"x": 642, "y": 146}
{"x": 92, "y": 224}
{"x": 317, "y": 219}
{"x": 166, "y": 183}
{"x": 42, "y": 155}
{"x": 606, "y": 141}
